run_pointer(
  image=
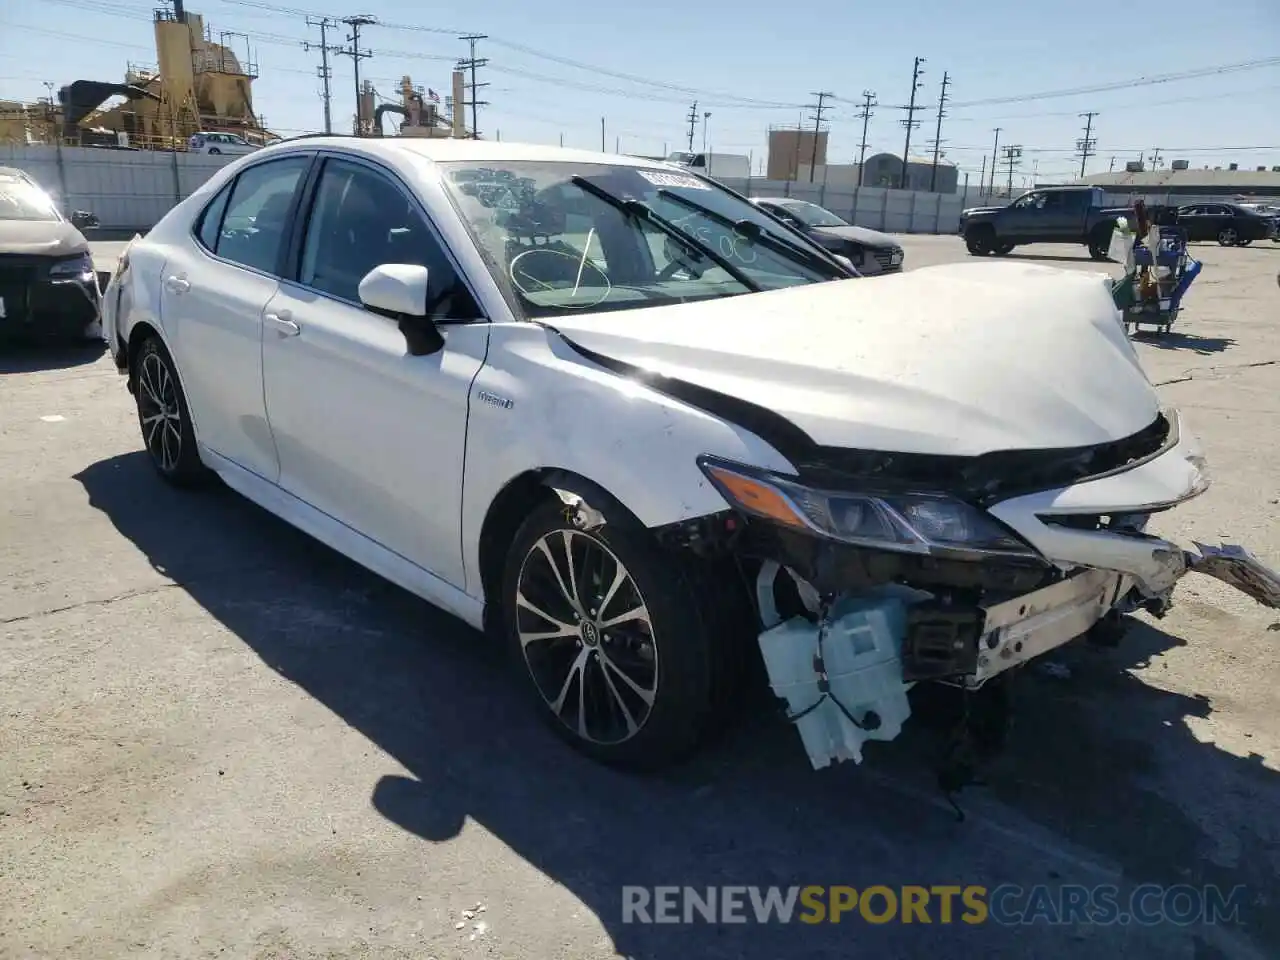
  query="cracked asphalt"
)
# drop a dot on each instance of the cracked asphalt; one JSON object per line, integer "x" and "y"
{"x": 219, "y": 739}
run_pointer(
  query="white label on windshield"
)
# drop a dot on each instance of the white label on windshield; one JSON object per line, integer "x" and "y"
{"x": 660, "y": 178}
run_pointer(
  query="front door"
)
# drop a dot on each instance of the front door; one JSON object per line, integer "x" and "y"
{"x": 366, "y": 433}
{"x": 212, "y": 298}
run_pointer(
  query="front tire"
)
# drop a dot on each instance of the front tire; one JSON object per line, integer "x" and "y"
{"x": 979, "y": 242}
{"x": 610, "y": 639}
{"x": 164, "y": 418}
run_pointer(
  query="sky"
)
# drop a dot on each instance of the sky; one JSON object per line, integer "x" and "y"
{"x": 1211, "y": 93}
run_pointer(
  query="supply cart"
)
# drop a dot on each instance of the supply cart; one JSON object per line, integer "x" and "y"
{"x": 1158, "y": 271}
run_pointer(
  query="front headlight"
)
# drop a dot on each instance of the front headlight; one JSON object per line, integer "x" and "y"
{"x": 78, "y": 267}
{"x": 924, "y": 523}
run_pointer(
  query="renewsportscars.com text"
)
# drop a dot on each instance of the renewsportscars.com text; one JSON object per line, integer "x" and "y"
{"x": 1145, "y": 905}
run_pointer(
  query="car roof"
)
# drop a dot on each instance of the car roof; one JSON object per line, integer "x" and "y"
{"x": 447, "y": 150}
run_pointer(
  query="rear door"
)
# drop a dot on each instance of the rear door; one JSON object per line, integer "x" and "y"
{"x": 213, "y": 292}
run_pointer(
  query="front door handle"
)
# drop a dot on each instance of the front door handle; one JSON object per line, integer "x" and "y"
{"x": 283, "y": 323}
{"x": 177, "y": 284}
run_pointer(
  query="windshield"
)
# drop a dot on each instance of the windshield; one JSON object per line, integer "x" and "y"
{"x": 567, "y": 237}
{"x": 20, "y": 200}
{"x": 812, "y": 215}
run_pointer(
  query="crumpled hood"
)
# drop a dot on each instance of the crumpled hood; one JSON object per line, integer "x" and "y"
{"x": 960, "y": 359}
{"x": 50, "y": 238}
{"x": 862, "y": 235}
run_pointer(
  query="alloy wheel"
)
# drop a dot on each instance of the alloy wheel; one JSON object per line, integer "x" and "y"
{"x": 159, "y": 412}
{"x": 587, "y": 637}
{"x": 1228, "y": 237}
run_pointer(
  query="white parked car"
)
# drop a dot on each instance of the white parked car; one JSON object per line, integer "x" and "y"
{"x": 216, "y": 143}
{"x": 630, "y": 421}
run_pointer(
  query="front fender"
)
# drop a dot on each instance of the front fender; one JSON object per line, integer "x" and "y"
{"x": 538, "y": 405}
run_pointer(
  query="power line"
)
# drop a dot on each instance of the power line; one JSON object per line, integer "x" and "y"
{"x": 472, "y": 64}
{"x": 864, "y": 114}
{"x": 1086, "y": 147}
{"x": 325, "y": 74}
{"x": 817, "y": 126}
{"x": 910, "y": 122}
{"x": 937, "y": 136}
{"x": 356, "y": 55}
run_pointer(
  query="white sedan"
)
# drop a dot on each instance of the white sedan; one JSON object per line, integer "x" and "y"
{"x": 626, "y": 419}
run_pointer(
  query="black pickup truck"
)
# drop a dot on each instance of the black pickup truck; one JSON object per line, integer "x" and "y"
{"x": 1050, "y": 215}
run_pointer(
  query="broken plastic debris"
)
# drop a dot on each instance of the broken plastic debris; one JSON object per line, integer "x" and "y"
{"x": 459, "y": 925}
{"x": 468, "y": 915}
{"x": 1237, "y": 567}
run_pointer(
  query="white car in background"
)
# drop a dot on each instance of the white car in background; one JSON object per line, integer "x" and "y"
{"x": 216, "y": 143}
{"x": 634, "y": 424}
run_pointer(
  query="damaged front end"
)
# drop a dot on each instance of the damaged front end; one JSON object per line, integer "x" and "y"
{"x": 875, "y": 572}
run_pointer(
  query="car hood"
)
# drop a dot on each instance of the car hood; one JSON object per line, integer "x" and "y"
{"x": 960, "y": 359}
{"x": 41, "y": 237}
{"x": 862, "y": 235}
{"x": 970, "y": 211}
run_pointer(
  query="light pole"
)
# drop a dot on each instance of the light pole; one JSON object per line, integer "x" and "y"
{"x": 705, "y": 117}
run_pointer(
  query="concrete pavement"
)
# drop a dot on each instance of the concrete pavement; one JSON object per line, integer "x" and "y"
{"x": 220, "y": 739}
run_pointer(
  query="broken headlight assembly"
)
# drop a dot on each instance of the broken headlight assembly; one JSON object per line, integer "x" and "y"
{"x": 923, "y": 523}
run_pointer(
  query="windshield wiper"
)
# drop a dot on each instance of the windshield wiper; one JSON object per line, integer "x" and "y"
{"x": 642, "y": 211}
{"x": 752, "y": 231}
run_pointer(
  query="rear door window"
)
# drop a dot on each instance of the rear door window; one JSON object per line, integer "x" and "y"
{"x": 257, "y": 216}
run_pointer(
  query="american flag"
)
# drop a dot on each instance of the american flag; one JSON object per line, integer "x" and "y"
{"x": 435, "y": 97}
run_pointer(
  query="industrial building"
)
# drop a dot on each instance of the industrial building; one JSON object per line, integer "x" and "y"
{"x": 1181, "y": 180}
{"x": 885, "y": 170}
{"x": 198, "y": 85}
{"x": 798, "y": 154}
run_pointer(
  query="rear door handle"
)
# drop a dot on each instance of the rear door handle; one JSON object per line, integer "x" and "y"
{"x": 177, "y": 284}
{"x": 283, "y": 323}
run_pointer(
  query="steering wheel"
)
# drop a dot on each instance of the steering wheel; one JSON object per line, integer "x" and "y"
{"x": 582, "y": 272}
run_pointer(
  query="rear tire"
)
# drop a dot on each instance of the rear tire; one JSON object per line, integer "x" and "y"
{"x": 1227, "y": 237}
{"x": 164, "y": 418}
{"x": 1003, "y": 249}
{"x": 622, "y": 657}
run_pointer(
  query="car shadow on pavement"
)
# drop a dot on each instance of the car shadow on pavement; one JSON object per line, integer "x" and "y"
{"x": 1102, "y": 780}
{"x": 19, "y": 357}
{"x": 1184, "y": 341}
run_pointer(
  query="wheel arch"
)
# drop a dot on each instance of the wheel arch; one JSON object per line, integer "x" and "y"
{"x": 520, "y": 496}
{"x": 140, "y": 333}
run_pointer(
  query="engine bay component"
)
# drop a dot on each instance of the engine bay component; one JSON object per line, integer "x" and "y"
{"x": 841, "y": 677}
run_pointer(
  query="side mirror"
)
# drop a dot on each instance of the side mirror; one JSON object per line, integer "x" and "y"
{"x": 83, "y": 219}
{"x": 398, "y": 291}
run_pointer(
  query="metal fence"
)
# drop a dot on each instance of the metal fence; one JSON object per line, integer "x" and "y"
{"x": 132, "y": 189}
{"x": 126, "y": 189}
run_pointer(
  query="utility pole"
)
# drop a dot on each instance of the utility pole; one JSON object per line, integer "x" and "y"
{"x": 1155, "y": 159}
{"x": 982, "y": 179}
{"x": 602, "y": 134}
{"x": 693, "y": 123}
{"x": 911, "y": 122}
{"x": 1012, "y": 155}
{"x": 356, "y": 55}
{"x": 937, "y": 134}
{"x": 817, "y": 109}
{"x": 323, "y": 71}
{"x": 995, "y": 155}
{"x": 472, "y": 64}
{"x": 868, "y": 101}
{"x": 1112, "y": 168}
{"x": 1086, "y": 147}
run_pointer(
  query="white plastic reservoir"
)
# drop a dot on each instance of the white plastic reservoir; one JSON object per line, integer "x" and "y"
{"x": 862, "y": 654}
